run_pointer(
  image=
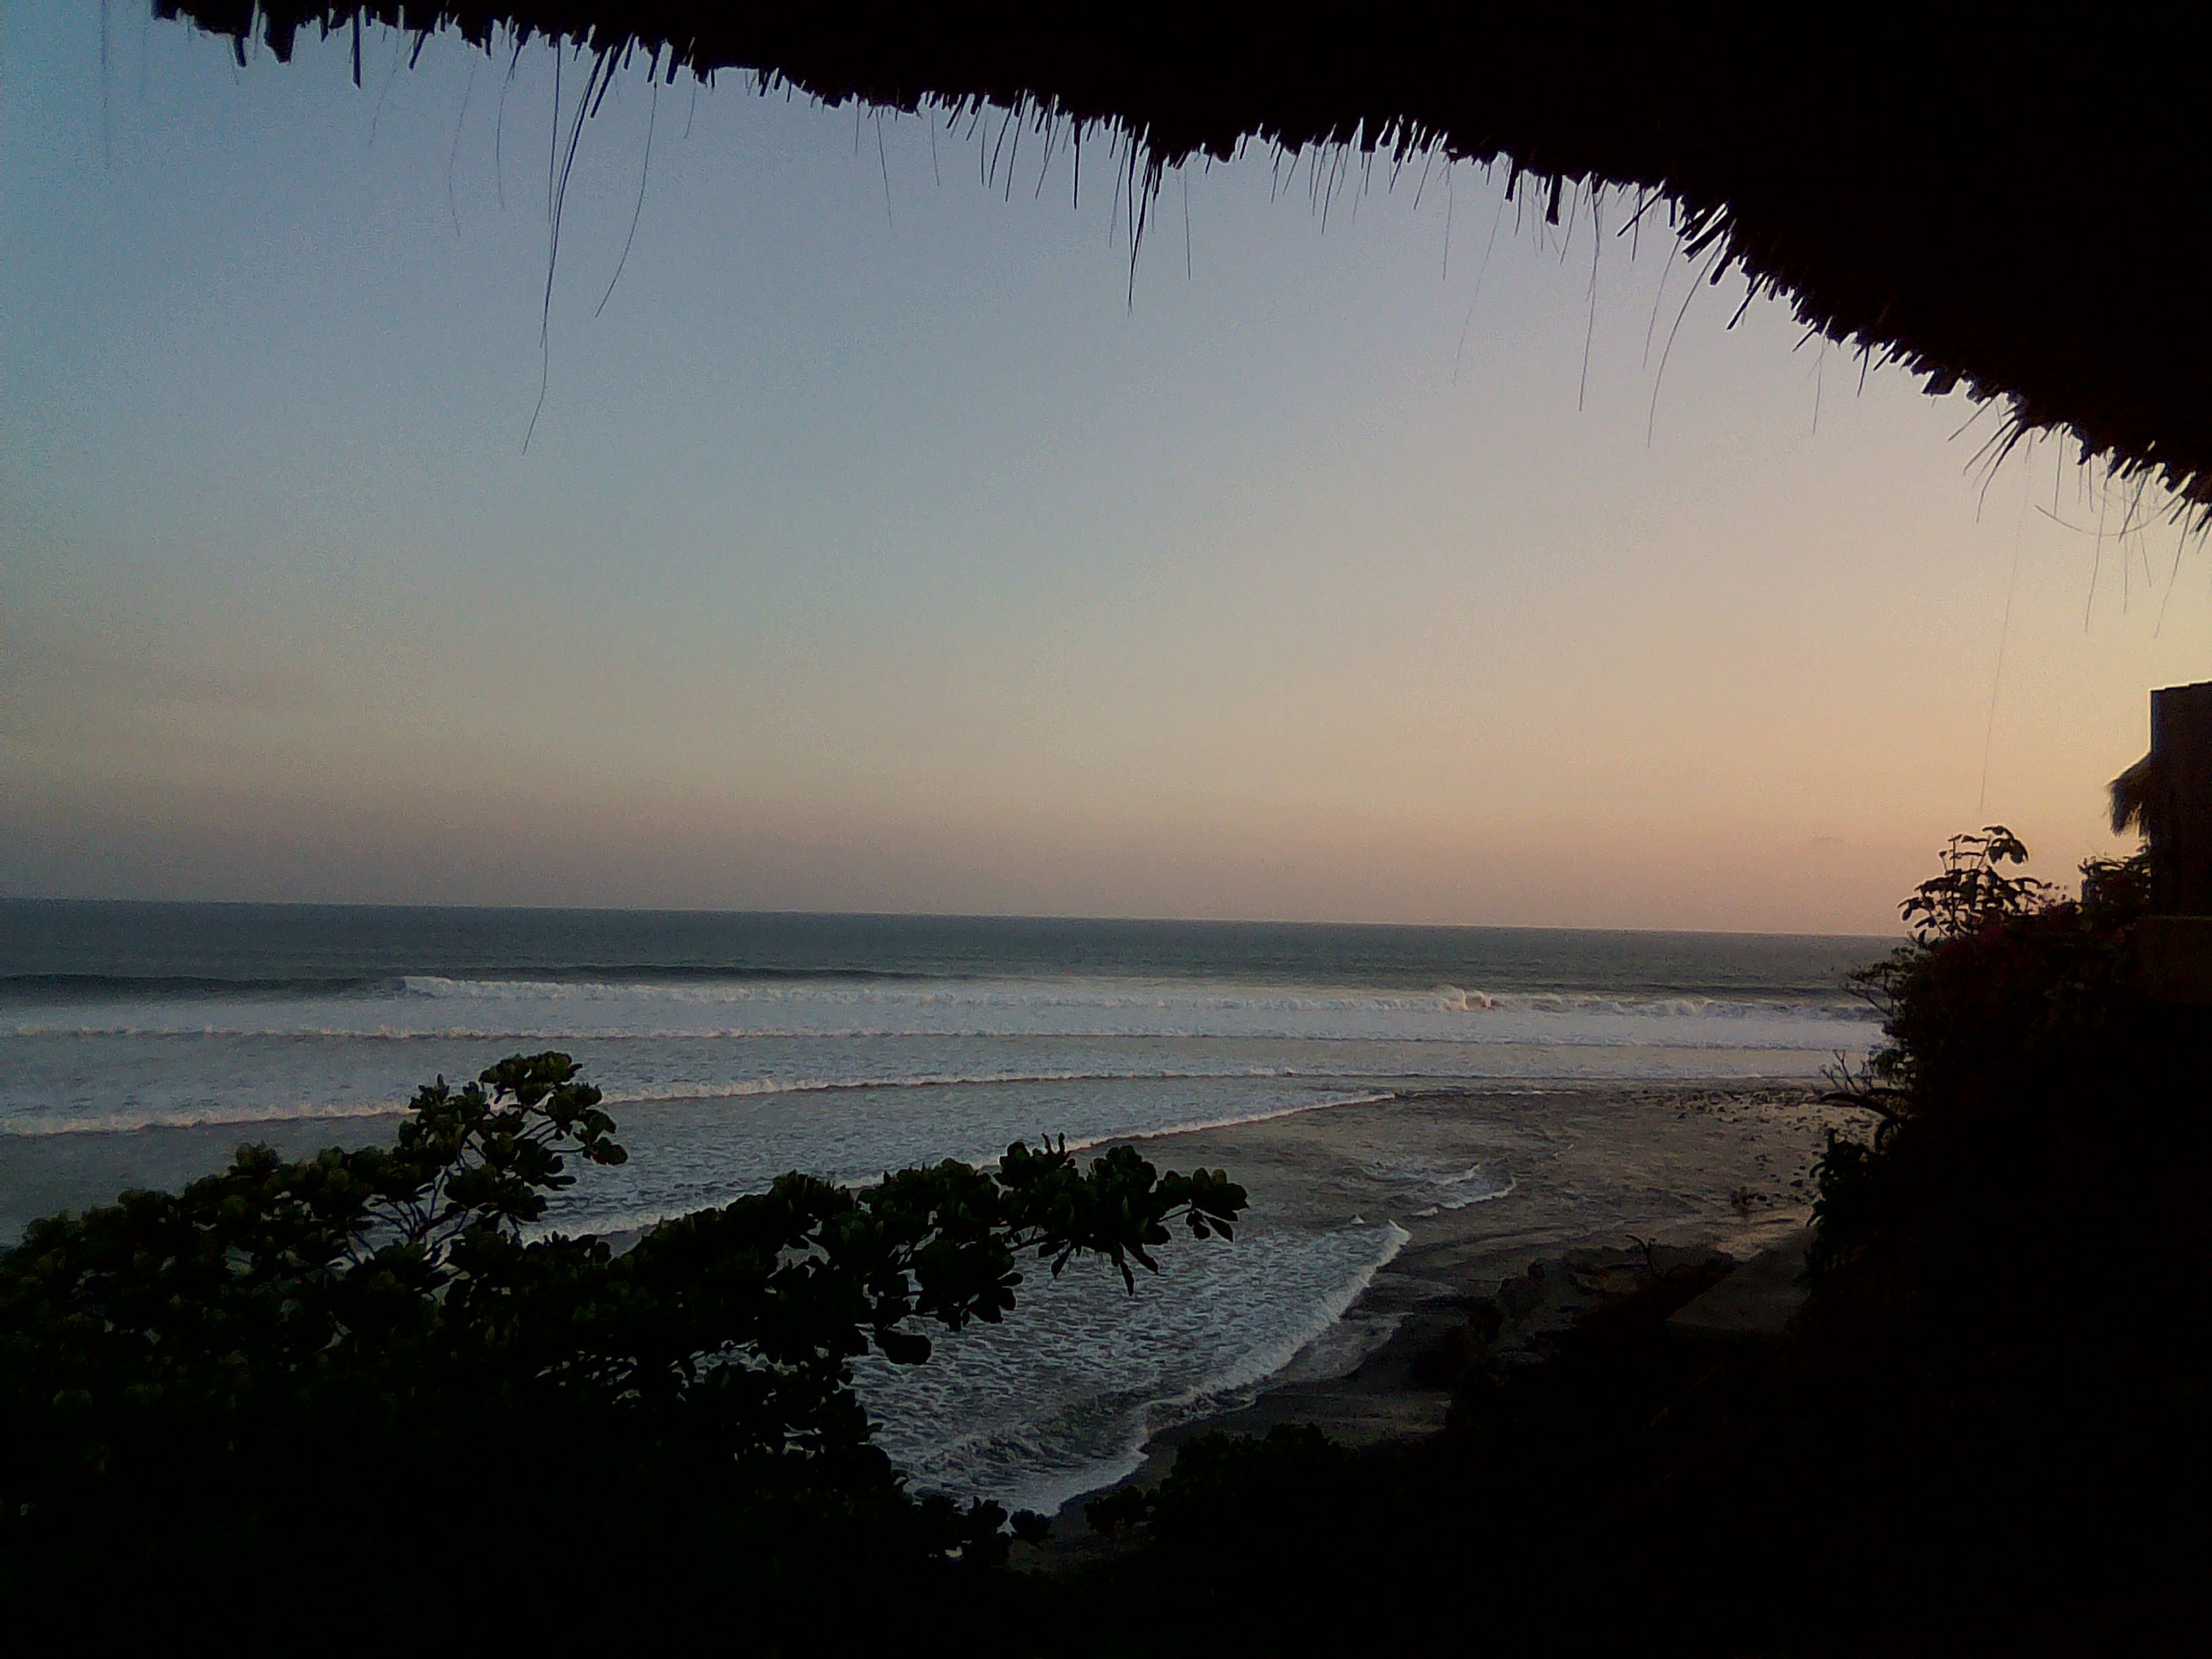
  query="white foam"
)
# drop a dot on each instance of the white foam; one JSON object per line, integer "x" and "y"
{"x": 193, "y": 1116}
{"x": 204, "y": 1117}
{"x": 1467, "y": 1200}
{"x": 1238, "y": 1120}
{"x": 1235, "y": 1385}
{"x": 524, "y": 1010}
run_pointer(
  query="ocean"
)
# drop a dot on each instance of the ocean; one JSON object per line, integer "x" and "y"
{"x": 145, "y": 1040}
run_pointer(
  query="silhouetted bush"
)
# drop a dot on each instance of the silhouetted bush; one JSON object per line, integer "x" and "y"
{"x": 1988, "y": 1434}
{"x": 357, "y": 1377}
{"x": 2002, "y": 1344}
{"x": 2010, "y": 1009}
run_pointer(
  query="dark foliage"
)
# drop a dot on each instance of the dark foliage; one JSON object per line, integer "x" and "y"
{"x": 2008, "y": 1300}
{"x": 2012, "y": 1001}
{"x": 1223, "y": 1481}
{"x": 275, "y": 1385}
{"x": 1551, "y": 1518}
{"x": 1987, "y": 1435}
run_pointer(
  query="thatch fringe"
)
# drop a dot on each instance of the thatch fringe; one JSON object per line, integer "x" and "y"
{"x": 2030, "y": 231}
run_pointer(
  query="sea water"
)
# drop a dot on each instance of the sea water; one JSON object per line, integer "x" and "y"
{"x": 145, "y": 1041}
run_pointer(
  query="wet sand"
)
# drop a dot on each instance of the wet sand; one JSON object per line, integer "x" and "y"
{"x": 1683, "y": 1170}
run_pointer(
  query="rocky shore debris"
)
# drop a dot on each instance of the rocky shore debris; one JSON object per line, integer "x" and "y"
{"x": 1756, "y": 1303}
{"x": 1452, "y": 1353}
{"x": 1589, "y": 1292}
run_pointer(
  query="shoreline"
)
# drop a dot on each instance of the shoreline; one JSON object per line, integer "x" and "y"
{"x": 1664, "y": 1177}
{"x": 1476, "y": 1181}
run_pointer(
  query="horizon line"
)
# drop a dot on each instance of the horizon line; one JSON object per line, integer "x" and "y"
{"x": 935, "y": 915}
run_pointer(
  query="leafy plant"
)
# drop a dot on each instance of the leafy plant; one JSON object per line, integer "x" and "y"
{"x": 1973, "y": 890}
{"x": 2005, "y": 995}
{"x": 2002, "y": 969}
{"x": 287, "y": 1355}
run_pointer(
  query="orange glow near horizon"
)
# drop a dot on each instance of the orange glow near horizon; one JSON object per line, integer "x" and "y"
{"x": 893, "y": 560}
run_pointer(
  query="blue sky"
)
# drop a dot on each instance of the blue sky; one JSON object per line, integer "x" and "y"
{"x": 878, "y": 547}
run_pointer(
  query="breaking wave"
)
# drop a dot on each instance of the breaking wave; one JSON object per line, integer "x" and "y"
{"x": 816, "y": 1009}
{"x": 196, "y": 1116}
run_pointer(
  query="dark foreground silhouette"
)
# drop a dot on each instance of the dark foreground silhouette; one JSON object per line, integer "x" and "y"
{"x": 1986, "y": 1434}
{"x": 353, "y": 1383}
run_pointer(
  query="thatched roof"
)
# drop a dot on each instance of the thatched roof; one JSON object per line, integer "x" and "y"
{"x": 2030, "y": 227}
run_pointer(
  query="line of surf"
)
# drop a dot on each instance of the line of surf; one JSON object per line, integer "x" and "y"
{"x": 749, "y": 1089}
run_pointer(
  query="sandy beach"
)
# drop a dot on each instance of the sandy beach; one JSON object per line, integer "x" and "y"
{"x": 1595, "y": 1174}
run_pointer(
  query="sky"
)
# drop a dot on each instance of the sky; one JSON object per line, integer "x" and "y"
{"x": 884, "y": 541}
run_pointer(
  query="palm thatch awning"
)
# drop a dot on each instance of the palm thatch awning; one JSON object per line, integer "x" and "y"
{"x": 2021, "y": 216}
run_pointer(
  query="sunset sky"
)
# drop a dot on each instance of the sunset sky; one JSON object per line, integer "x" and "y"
{"x": 879, "y": 547}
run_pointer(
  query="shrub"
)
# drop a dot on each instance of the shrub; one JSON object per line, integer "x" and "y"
{"x": 252, "y": 1381}
{"x": 2007, "y": 995}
